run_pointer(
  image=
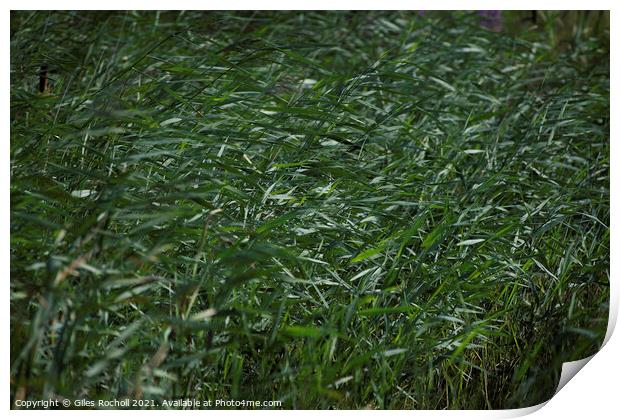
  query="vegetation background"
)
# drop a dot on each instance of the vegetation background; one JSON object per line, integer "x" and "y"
{"x": 330, "y": 209}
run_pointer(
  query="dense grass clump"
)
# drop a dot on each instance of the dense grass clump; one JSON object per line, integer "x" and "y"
{"x": 333, "y": 210}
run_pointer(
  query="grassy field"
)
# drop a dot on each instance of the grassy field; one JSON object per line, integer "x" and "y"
{"x": 332, "y": 210}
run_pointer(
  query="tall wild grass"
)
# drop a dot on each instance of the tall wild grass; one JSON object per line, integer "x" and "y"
{"x": 330, "y": 209}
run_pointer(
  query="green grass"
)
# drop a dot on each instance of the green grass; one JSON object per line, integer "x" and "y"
{"x": 333, "y": 210}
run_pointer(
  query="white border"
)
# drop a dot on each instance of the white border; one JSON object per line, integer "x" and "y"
{"x": 308, "y": 5}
